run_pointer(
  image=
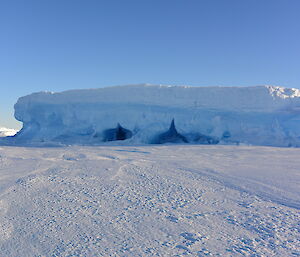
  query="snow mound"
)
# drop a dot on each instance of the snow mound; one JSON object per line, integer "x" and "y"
{"x": 6, "y": 132}
{"x": 261, "y": 115}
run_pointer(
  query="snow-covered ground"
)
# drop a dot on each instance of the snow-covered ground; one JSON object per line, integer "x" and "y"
{"x": 170, "y": 200}
{"x": 5, "y": 132}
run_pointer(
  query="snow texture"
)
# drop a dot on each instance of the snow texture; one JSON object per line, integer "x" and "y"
{"x": 261, "y": 115}
{"x": 176, "y": 200}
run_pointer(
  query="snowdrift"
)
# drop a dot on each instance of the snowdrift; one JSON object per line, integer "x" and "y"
{"x": 135, "y": 114}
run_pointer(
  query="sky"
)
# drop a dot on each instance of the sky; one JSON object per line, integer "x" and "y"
{"x": 56, "y": 45}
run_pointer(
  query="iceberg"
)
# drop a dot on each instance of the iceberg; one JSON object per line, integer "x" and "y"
{"x": 259, "y": 115}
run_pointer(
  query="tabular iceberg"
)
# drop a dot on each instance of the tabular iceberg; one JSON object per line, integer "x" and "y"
{"x": 261, "y": 115}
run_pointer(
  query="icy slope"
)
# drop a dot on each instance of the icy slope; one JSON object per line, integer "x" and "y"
{"x": 149, "y": 201}
{"x": 263, "y": 115}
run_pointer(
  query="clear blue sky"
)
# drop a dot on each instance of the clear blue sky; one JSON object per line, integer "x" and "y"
{"x": 57, "y": 45}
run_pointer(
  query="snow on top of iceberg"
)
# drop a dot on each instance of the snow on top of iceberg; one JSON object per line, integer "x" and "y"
{"x": 283, "y": 92}
{"x": 226, "y": 98}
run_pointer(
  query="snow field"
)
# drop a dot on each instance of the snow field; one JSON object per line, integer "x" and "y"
{"x": 171, "y": 200}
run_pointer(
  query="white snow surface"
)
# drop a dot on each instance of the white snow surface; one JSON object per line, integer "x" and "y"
{"x": 5, "y": 132}
{"x": 261, "y": 115}
{"x": 171, "y": 200}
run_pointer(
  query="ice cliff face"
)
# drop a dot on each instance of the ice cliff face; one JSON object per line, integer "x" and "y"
{"x": 263, "y": 115}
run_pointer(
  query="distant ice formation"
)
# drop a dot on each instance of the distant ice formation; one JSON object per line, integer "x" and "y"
{"x": 261, "y": 115}
{"x": 6, "y": 132}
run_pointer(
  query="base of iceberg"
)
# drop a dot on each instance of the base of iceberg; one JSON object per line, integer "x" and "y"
{"x": 7, "y": 132}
